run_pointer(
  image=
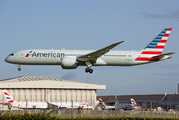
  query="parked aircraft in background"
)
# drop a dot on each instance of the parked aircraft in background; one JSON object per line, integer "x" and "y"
{"x": 104, "y": 107}
{"x": 68, "y": 105}
{"x": 23, "y": 105}
{"x": 125, "y": 106}
{"x": 43, "y": 105}
{"x": 135, "y": 104}
{"x": 118, "y": 105}
{"x": 71, "y": 59}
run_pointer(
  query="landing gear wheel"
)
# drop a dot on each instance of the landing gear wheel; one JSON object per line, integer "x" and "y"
{"x": 19, "y": 69}
{"x": 90, "y": 70}
{"x": 87, "y": 70}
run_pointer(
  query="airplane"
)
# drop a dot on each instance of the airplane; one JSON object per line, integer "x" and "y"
{"x": 104, "y": 107}
{"x": 71, "y": 59}
{"x": 42, "y": 105}
{"x": 137, "y": 107}
{"x": 23, "y": 105}
{"x": 68, "y": 105}
{"x": 125, "y": 106}
{"x": 131, "y": 106}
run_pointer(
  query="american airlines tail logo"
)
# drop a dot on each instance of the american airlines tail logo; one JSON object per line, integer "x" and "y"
{"x": 27, "y": 55}
{"x": 155, "y": 47}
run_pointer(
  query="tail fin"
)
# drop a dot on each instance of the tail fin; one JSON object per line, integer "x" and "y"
{"x": 103, "y": 105}
{"x": 8, "y": 97}
{"x": 116, "y": 101}
{"x": 159, "y": 42}
{"x": 155, "y": 47}
{"x": 133, "y": 102}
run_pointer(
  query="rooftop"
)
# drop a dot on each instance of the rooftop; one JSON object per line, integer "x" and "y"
{"x": 45, "y": 82}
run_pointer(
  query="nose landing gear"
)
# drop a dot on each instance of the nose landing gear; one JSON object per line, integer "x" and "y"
{"x": 19, "y": 67}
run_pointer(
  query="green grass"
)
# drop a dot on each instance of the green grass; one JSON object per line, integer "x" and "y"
{"x": 97, "y": 116}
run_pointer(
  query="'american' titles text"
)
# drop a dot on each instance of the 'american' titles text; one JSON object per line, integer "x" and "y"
{"x": 34, "y": 54}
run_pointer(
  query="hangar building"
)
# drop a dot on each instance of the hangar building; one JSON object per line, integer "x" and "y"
{"x": 40, "y": 89}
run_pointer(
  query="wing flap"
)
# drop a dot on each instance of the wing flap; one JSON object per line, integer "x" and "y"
{"x": 94, "y": 55}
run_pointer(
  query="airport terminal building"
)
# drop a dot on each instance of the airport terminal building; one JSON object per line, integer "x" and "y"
{"x": 41, "y": 89}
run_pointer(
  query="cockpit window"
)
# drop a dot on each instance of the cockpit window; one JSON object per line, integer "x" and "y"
{"x": 12, "y": 54}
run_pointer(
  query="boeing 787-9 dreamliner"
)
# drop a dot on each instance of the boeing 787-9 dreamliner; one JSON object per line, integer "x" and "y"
{"x": 71, "y": 59}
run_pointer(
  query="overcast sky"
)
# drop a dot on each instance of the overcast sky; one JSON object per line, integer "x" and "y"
{"x": 92, "y": 25}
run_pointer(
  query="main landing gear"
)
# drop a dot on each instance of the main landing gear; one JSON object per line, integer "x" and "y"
{"x": 19, "y": 67}
{"x": 89, "y": 70}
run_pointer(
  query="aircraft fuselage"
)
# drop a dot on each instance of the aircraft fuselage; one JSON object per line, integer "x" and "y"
{"x": 54, "y": 57}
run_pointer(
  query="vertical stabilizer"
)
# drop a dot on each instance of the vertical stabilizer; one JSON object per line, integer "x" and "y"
{"x": 155, "y": 47}
{"x": 116, "y": 102}
{"x": 133, "y": 102}
{"x": 103, "y": 105}
{"x": 8, "y": 97}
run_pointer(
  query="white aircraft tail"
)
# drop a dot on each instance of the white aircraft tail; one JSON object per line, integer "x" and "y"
{"x": 116, "y": 102}
{"x": 155, "y": 47}
{"x": 8, "y": 97}
{"x": 133, "y": 102}
{"x": 103, "y": 105}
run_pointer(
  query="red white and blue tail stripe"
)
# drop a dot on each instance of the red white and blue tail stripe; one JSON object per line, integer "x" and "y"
{"x": 133, "y": 102}
{"x": 155, "y": 47}
{"x": 103, "y": 105}
{"x": 8, "y": 97}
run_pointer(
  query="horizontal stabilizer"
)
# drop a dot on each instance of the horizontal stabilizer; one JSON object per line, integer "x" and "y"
{"x": 160, "y": 56}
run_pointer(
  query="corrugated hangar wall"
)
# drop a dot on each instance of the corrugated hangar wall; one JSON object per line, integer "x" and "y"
{"x": 52, "y": 95}
{"x": 40, "y": 89}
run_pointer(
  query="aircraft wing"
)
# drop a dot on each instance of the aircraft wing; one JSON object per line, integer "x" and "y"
{"x": 94, "y": 55}
{"x": 51, "y": 106}
{"x": 160, "y": 56}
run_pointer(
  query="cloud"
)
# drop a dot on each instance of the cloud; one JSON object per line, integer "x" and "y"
{"x": 69, "y": 76}
{"x": 174, "y": 15}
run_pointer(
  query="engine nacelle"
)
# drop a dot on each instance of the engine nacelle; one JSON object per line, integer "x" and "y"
{"x": 68, "y": 63}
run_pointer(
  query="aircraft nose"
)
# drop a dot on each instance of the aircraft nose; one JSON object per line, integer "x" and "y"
{"x": 9, "y": 59}
{"x": 6, "y": 59}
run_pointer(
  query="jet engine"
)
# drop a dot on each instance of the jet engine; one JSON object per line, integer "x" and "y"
{"x": 68, "y": 63}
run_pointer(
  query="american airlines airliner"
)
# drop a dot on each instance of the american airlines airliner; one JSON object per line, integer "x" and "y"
{"x": 71, "y": 59}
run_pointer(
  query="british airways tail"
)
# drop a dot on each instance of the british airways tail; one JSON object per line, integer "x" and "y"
{"x": 8, "y": 97}
{"x": 153, "y": 51}
{"x": 103, "y": 105}
{"x": 133, "y": 102}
